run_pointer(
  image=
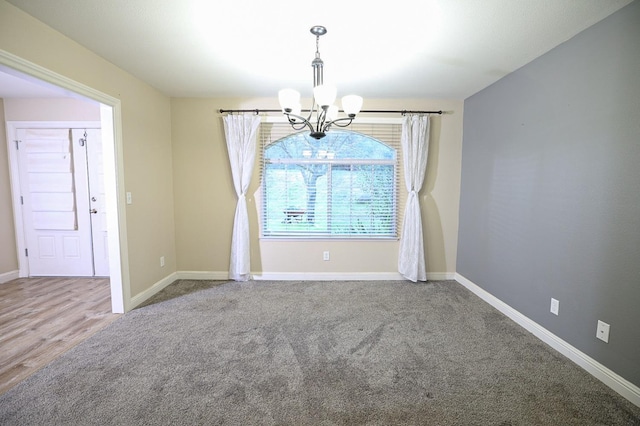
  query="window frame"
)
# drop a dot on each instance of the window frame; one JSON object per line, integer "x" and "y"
{"x": 384, "y": 130}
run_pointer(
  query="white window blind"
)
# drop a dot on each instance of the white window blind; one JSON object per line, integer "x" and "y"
{"x": 345, "y": 185}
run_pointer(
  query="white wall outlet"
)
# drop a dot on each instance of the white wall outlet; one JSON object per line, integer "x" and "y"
{"x": 161, "y": 260}
{"x": 129, "y": 200}
{"x": 325, "y": 255}
{"x": 602, "y": 332}
{"x": 555, "y": 306}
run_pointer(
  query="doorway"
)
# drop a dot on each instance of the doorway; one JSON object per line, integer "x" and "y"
{"x": 111, "y": 124}
{"x": 60, "y": 179}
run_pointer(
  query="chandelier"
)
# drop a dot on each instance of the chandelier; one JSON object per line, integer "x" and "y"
{"x": 323, "y": 97}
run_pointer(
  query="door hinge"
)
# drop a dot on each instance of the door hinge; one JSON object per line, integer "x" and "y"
{"x": 21, "y": 200}
{"x": 17, "y": 143}
{"x": 26, "y": 252}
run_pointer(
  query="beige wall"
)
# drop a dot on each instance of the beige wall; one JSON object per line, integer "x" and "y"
{"x": 51, "y": 109}
{"x": 146, "y": 134}
{"x": 8, "y": 258}
{"x": 175, "y": 159}
{"x": 205, "y": 198}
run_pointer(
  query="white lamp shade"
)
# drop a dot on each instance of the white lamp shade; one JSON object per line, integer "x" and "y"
{"x": 351, "y": 104}
{"x": 297, "y": 109}
{"x": 288, "y": 98}
{"x": 324, "y": 94}
{"x": 332, "y": 112}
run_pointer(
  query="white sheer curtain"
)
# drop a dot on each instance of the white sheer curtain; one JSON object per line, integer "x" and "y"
{"x": 415, "y": 150}
{"x": 240, "y": 132}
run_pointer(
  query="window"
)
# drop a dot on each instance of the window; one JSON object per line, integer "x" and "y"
{"x": 342, "y": 186}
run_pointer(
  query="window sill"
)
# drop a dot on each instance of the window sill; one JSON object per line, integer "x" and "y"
{"x": 306, "y": 238}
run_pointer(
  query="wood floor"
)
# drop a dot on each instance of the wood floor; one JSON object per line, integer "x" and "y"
{"x": 41, "y": 318}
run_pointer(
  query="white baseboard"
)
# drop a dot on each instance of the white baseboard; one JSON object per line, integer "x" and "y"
{"x": 616, "y": 382}
{"x": 344, "y": 276}
{"x": 441, "y": 276}
{"x": 203, "y": 275}
{"x": 326, "y": 276}
{"x": 153, "y": 290}
{"x": 280, "y": 276}
{"x": 9, "y": 276}
{"x": 311, "y": 276}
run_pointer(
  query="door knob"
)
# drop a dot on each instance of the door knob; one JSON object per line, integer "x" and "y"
{"x": 93, "y": 211}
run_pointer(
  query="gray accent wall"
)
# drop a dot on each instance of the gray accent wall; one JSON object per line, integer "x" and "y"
{"x": 550, "y": 192}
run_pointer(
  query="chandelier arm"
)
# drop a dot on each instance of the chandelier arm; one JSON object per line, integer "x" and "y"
{"x": 312, "y": 109}
{"x": 322, "y": 118}
{"x": 305, "y": 122}
{"x": 297, "y": 126}
{"x": 335, "y": 122}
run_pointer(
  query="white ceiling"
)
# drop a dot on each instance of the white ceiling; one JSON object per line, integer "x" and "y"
{"x": 401, "y": 49}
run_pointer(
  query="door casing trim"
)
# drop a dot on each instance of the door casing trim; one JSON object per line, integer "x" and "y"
{"x": 111, "y": 124}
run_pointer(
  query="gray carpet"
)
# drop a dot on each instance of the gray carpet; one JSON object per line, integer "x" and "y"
{"x": 302, "y": 353}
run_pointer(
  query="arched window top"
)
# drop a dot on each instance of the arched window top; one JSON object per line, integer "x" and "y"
{"x": 337, "y": 144}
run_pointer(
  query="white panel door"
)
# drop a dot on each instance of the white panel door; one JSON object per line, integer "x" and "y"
{"x": 96, "y": 198}
{"x": 55, "y": 197}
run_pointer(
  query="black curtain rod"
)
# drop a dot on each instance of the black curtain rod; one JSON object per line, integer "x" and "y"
{"x": 403, "y": 112}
